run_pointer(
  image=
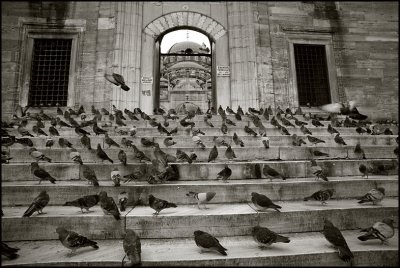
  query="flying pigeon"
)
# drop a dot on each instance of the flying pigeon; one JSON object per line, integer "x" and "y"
{"x": 117, "y": 80}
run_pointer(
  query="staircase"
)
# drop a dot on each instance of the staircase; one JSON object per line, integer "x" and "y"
{"x": 167, "y": 239}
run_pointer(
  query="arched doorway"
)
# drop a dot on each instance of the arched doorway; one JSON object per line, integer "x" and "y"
{"x": 150, "y": 55}
{"x": 185, "y": 69}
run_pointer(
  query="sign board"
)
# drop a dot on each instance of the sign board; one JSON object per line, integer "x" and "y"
{"x": 147, "y": 80}
{"x": 223, "y": 71}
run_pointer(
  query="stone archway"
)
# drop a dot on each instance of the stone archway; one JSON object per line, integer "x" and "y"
{"x": 150, "y": 52}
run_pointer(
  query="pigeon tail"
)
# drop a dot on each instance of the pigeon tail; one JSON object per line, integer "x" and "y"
{"x": 52, "y": 180}
{"x": 135, "y": 259}
{"x": 307, "y": 198}
{"x": 276, "y": 207}
{"x": 345, "y": 253}
{"x": 221, "y": 250}
{"x": 74, "y": 203}
{"x": 366, "y": 237}
{"x": 30, "y": 210}
{"x": 282, "y": 239}
{"x": 117, "y": 216}
{"x": 171, "y": 205}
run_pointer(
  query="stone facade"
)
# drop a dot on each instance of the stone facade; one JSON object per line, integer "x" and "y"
{"x": 253, "y": 38}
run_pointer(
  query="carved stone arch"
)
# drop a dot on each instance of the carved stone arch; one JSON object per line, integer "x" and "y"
{"x": 188, "y": 18}
{"x": 151, "y": 35}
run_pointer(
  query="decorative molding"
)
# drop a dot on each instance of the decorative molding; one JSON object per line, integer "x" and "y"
{"x": 294, "y": 29}
{"x": 182, "y": 18}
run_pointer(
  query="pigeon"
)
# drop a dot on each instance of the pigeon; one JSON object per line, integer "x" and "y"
{"x": 198, "y": 142}
{"x": 122, "y": 157}
{"x": 64, "y": 143}
{"x": 272, "y": 173}
{"x": 122, "y": 200}
{"x": 38, "y": 131}
{"x": 24, "y": 141}
{"x": 344, "y": 108}
{"x": 74, "y": 123}
{"x": 38, "y": 204}
{"x": 81, "y": 131}
{"x": 360, "y": 130}
{"x": 169, "y": 142}
{"x": 238, "y": 117}
{"x": 97, "y": 130}
{"x": 85, "y": 140}
{"x": 359, "y": 152}
{"x": 75, "y": 156}
{"x": 317, "y": 171}
{"x": 230, "y": 122}
{"x": 53, "y": 131}
{"x": 316, "y": 123}
{"x": 284, "y": 131}
{"x": 84, "y": 202}
{"x": 286, "y": 122}
{"x": 89, "y": 175}
{"x": 116, "y": 177}
{"x": 110, "y": 142}
{"x": 224, "y": 128}
{"x": 207, "y": 242}
{"x": 201, "y": 198}
{"x": 382, "y": 230}
{"x": 266, "y": 114}
{"x": 335, "y": 237}
{"x": 262, "y": 202}
{"x": 240, "y": 111}
{"x": 102, "y": 155}
{"x": 249, "y": 131}
{"x": 127, "y": 143}
{"x": 321, "y": 195}
{"x": 208, "y": 123}
{"x": 37, "y": 155}
{"x": 139, "y": 154}
{"x": 108, "y": 205}
{"x": 119, "y": 122}
{"x": 274, "y": 122}
{"x": 305, "y": 130}
{"x": 8, "y": 141}
{"x": 213, "y": 154}
{"x": 229, "y": 110}
{"x": 181, "y": 155}
{"x": 135, "y": 175}
{"x": 9, "y": 252}
{"x": 224, "y": 174}
{"x": 218, "y": 141}
{"x": 265, "y": 237}
{"x": 159, "y": 204}
{"x": 237, "y": 140}
{"x": 22, "y": 130}
{"x": 375, "y": 196}
{"x": 132, "y": 248}
{"x": 387, "y": 131}
{"x": 229, "y": 153}
{"x": 339, "y": 140}
{"x": 299, "y": 123}
{"x": 74, "y": 241}
{"x": 254, "y": 111}
{"x": 61, "y": 123}
{"x": 314, "y": 140}
{"x": 319, "y": 153}
{"x": 146, "y": 142}
{"x": 265, "y": 141}
{"x": 5, "y": 157}
{"x": 331, "y": 130}
{"x": 297, "y": 141}
{"x": 174, "y": 131}
{"x": 41, "y": 173}
{"x": 117, "y": 80}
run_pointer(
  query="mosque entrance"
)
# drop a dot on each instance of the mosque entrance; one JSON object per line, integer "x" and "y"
{"x": 185, "y": 79}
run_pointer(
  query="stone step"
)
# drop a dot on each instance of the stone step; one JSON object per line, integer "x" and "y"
{"x": 220, "y": 219}
{"x": 22, "y": 193}
{"x": 150, "y": 131}
{"x": 199, "y": 171}
{"x": 241, "y": 153}
{"x": 249, "y": 141}
{"x": 304, "y": 249}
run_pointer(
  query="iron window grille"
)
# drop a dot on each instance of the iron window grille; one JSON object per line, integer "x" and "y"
{"x": 311, "y": 74}
{"x": 50, "y": 72}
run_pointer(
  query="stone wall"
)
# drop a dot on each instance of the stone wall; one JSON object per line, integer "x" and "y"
{"x": 363, "y": 36}
{"x": 365, "y": 49}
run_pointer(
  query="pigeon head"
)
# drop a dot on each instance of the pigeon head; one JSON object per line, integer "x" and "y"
{"x": 191, "y": 194}
{"x": 61, "y": 230}
{"x": 388, "y": 221}
{"x": 362, "y": 168}
{"x": 32, "y": 149}
{"x": 198, "y": 232}
{"x": 255, "y": 229}
{"x": 102, "y": 195}
{"x": 98, "y": 146}
{"x": 151, "y": 198}
{"x": 328, "y": 224}
{"x": 34, "y": 164}
{"x": 42, "y": 193}
{"x": 313, "y": 162}
{"x": 381, "y": 189}
{"x": 254, "y": 194}
{"x": 331, "y": 191}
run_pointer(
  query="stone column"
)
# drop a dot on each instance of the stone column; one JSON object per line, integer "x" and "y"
{"x": 126, "y": 60}
{"x": 242, "y": 54}
{"x": 222, "y": 82}
{"x": 146, "y": 90}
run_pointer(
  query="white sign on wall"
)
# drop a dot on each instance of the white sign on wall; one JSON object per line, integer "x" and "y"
{"x": 223, "y": 71}
{"x": 147, "y": 80}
